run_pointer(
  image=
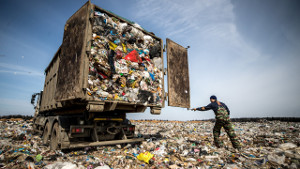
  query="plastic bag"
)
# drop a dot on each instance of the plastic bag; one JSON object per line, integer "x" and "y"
{"x": 38, "y": 158}
{"x": 157, "y": 63}
{"x": 143, "y": 85}
{"x": 133, "y": 56}
{"x": 97, "y": 13}
{"x": 147, "y": 39}
{"x": 287, "y": 146}
{"x": 63, "y": 165}
{"x": 103, "y": 167}
{"x": 155, "y": 50}
{"x": 275, "y": 159}
{"x": 146, "y": 96}
{"x": 122, "y": 26}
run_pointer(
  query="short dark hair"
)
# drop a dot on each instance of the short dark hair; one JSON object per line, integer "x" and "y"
{"x": 213, "y": 97}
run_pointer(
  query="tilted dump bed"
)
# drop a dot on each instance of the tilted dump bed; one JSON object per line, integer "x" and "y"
{"x": 107, "y": 63}
{"x": 118, "y": 78}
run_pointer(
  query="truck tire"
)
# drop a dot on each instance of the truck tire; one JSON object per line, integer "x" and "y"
{"x": 34, "y": 129}
{"x": 45, "y": 136}
{"x": 55, "y": 137}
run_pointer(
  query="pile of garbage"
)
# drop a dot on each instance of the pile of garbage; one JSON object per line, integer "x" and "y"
{"x": 167, "y": 145}
{"x": 125, "y": 63}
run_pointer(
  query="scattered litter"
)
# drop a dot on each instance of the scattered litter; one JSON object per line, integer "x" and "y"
{"x": 168, "y": 144}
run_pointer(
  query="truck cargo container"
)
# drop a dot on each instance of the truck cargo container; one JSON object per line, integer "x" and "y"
{"x": 101, "y": 72}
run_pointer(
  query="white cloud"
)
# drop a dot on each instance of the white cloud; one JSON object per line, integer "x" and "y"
{"x": 175, "y": 17}
{"x": 199, "y": 22}
{"x": 248, "y": 80}
{"x": 19, "y": 70}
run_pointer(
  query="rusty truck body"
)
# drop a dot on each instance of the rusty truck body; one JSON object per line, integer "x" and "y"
{"x": 67, "y": 116}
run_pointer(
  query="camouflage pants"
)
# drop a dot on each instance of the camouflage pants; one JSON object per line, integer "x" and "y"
{"x": 229, "y": 130}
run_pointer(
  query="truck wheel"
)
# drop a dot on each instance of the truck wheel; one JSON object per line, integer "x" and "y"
{"x": 121, "y": 136}
{"x": 55, "y": 137}
{"x": 34, "y": 129}
{"x": 45, "y": 136}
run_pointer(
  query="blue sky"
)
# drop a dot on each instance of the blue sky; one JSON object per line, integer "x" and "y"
{"x": 245, "y": 52}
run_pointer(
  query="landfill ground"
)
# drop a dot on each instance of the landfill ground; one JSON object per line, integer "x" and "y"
{"x": 173, "y": 144}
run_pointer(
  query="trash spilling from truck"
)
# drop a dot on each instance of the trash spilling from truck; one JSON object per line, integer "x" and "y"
{"x": 106, "y": 67}
{"x": 167, "y": 144}
{"x": 125, "y": 64}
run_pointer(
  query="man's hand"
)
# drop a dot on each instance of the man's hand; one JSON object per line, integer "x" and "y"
{"x": 202, "y": 108}
{"x": 194, "y": 109}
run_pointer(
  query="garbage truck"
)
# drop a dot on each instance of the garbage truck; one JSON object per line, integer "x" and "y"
{"x": 107, "y": 66}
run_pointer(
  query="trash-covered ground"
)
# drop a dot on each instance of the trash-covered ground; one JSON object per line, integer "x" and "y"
{"x": 167, "y": 145}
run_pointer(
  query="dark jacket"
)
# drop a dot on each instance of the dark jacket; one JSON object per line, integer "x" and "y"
{"x": 214, "y": 106}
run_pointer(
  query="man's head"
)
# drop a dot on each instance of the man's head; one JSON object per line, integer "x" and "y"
{"x": 213, "y": 98}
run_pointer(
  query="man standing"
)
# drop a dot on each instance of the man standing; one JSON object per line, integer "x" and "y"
{"x": 222, "y": 120}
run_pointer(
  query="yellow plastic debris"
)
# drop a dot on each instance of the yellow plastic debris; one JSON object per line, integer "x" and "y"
{"x": 146, "y": 156}
{"x": 112, "y": 46}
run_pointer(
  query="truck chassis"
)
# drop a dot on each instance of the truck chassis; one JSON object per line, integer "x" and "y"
{"x": 69, "y": 131}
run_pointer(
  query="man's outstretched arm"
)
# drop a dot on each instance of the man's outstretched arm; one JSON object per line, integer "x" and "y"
{"x": 208, "y": 107}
